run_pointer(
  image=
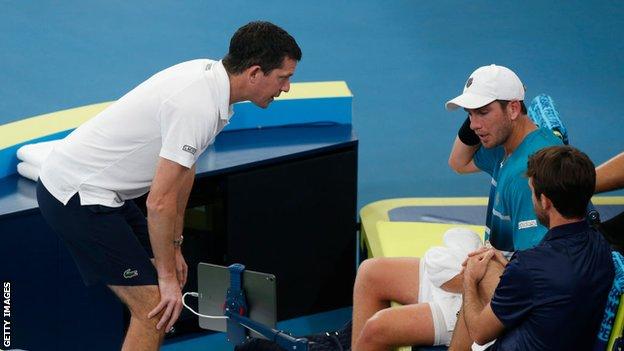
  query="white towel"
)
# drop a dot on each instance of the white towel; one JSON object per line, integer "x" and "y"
{"x": 439, "y": 265}
{"x": 35, "y": 154}
{"x": 27, "y": 170}
{"x": 444, "y": 262}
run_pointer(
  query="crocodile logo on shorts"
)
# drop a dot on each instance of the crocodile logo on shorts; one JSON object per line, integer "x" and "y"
{"x": 128, "y": 273}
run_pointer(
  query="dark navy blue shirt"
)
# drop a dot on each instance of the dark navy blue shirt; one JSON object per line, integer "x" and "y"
{"x": 552, "y": 297}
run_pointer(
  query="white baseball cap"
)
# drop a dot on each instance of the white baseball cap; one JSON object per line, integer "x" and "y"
{"x": 487, "y": 84}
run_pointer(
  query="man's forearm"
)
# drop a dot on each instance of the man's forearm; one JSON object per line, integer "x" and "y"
{"x": 183, "y": 201}
{"x": 161, "y": 222}
{"x": 610, "y": 175}
{"x": 472, "y": 307}
{"x": 460, "y": 159}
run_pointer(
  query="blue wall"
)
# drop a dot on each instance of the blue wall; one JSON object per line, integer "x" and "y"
{"x": 402, "y": 60}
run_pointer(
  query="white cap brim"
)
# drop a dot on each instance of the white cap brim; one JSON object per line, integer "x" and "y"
{"x": 469, "y": 101}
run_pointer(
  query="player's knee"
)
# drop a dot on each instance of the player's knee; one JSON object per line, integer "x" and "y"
{"x": 142, "y": 307}
{"x": 370, "y": 270}
{"x": 148, "y": 300}
{"x": 375, "y": 330}
{"x": 140, "y": 300}
{"x": 366, "y": 266}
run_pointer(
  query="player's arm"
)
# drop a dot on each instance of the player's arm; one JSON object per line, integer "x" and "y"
{"x": 610, "y": 175}
{"x": 163, "y": 206}
{"x": 464, "y": 148}
{"x": 483, "y": 325}
{"x": 187, "y": 186}
{"x": 461, "y": 157}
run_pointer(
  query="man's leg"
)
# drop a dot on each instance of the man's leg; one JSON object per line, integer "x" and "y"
{"x": 397, "y": 326}
{"x": 379, "y": 281}
{"x": 461, "y": 340}
{"x": 142, "y": 334}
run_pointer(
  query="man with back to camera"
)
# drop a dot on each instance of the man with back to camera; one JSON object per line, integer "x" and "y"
{"x": 552, "y": 296}
{"x": 149, "y": 140}
{"x": 497, "y": 137}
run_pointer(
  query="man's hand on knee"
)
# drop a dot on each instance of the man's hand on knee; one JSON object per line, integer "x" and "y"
{"x": 170, "y": 302}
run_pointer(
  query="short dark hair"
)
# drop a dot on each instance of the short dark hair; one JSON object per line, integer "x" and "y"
{"x": 566, "y": 176}
{"x": 260, "y": 43}
{"x": 504, "y": 103}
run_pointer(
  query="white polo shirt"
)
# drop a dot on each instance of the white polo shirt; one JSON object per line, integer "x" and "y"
{"x": 175, "y": 114}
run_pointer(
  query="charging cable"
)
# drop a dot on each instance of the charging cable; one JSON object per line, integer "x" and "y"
{"x": 194, "y": 294}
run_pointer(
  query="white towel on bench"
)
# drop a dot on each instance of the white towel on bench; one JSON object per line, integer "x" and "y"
{"x": 32, "y": 157}
{"x": 29, "y": 171}
{"x": 35, "y": 154}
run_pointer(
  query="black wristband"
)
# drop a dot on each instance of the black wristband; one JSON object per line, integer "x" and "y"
{"x": 467, "y": 135}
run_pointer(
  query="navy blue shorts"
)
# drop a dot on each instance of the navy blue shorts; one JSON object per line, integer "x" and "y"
{"x": 109, "y": 244}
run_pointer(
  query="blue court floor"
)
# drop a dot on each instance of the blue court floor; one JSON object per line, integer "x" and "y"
{"x": 402, "y": 60}
{"x": 321, "y": 322}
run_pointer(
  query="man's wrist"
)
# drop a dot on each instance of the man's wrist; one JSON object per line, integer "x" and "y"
{"x": 467, "y": 135}
{"x": 168, "y": 274}
{"x": 469, "y": 282}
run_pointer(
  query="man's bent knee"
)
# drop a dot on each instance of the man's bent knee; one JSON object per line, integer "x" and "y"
{"x": 366, "y": 274}
{"x": 374, "y": 331}
{"x": 368, "y": 267}
{"x": 140, "y": 300}
{"x": 490, "y": 281}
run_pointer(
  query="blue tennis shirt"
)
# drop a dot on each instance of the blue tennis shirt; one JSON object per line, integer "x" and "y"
{"x": 511, "y": 223}
{"x": 552, "y": 297}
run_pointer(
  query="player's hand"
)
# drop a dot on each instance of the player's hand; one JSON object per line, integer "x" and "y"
{"x": 477, "y": 265}
{"x": 170, "y": 302}
{"x": 479, "y": 251}
{"x": 500, "y": 258}
{"x": 181, "y": 267}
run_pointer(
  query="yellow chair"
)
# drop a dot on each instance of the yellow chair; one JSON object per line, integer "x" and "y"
{"x": 384, "y": 238}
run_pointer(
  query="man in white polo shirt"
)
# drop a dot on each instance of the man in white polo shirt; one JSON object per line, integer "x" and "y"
{"x": 149, "y": 140}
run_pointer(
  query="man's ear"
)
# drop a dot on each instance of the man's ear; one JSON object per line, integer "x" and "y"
{"x": 513, "y": 108}
{"x": 253, "y": 72}
{"x": 545, "y": 202}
